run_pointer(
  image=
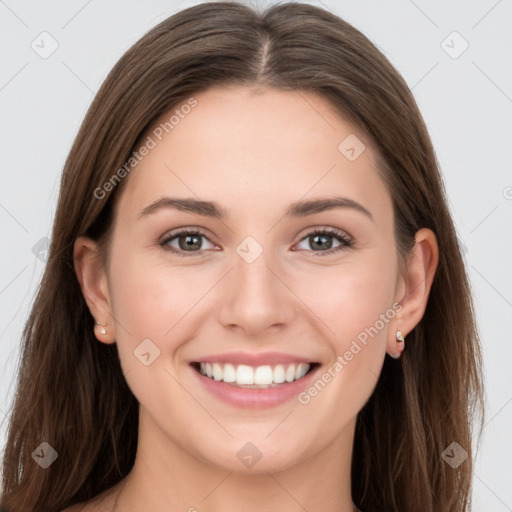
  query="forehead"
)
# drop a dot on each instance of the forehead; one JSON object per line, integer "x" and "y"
{"x": 254, "y": 149}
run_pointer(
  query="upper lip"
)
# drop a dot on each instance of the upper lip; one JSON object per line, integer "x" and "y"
{"x": 253, "y": 359}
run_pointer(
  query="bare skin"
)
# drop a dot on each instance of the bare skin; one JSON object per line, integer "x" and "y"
{"x": 253, "y": 153}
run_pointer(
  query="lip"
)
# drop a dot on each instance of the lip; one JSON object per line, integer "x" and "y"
{"x": 250, "y": 398}
{"x": 253, "y": 359}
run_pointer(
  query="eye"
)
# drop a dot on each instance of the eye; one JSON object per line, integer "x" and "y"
{"x": 190, "y": 241}
{"x": 322, "y": 239}
{"x": 187, "y": 240}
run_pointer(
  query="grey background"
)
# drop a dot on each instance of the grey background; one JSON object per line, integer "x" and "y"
{"x": 466, "y": 102}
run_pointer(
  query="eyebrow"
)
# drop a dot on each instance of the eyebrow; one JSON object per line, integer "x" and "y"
{"x": 211, "y": 209}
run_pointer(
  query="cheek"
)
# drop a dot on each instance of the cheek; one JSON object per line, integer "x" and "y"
{"x": 354, "y": 303}
{"x": 350, "y": 299}
{"x": 150, "y": 294}
{"x": 151, "y": 301}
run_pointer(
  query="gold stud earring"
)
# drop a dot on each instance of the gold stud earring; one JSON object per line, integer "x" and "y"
{"x": 103, "y": 330}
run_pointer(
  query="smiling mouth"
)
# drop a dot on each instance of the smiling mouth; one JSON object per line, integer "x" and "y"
{"x": 255, "y": 377}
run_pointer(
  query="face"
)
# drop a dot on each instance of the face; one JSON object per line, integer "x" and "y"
{"x": 259, "y": 292}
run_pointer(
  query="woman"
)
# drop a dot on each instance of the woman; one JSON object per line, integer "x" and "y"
{"x": 254, "y": 298}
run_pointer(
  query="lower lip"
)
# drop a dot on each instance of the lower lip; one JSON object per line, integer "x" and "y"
{"x": 250, "y": 398}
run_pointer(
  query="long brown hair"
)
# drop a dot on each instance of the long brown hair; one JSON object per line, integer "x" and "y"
{"x": 71, "y": 391}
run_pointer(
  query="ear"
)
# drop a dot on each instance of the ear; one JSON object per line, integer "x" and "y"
{"x": 414, "y": 287}
{"x": 94, "y": 284}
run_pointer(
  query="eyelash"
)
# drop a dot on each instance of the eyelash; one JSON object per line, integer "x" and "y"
{"x": 346, "y": 241}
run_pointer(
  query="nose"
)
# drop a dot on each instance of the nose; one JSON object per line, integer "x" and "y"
{"x": 256, "y": 298}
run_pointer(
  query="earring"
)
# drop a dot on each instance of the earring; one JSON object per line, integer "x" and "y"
{"x": 401, "y": 342}
{"x": 103, "y": 330}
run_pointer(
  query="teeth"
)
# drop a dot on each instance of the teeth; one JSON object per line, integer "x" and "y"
{"x": 302, "y": 369}
{"x": 258, "y": 377}
{"x": 244, "y": 375}
{"x": 289, "y": 374}
{"x": 278, "y": 375}
{"x": 229, "y": 373}
{"x": 217, "y": 372}
{"x": 263, "y": 375}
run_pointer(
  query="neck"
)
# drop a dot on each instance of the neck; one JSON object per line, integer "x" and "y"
{"x": 166, "y": 477}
